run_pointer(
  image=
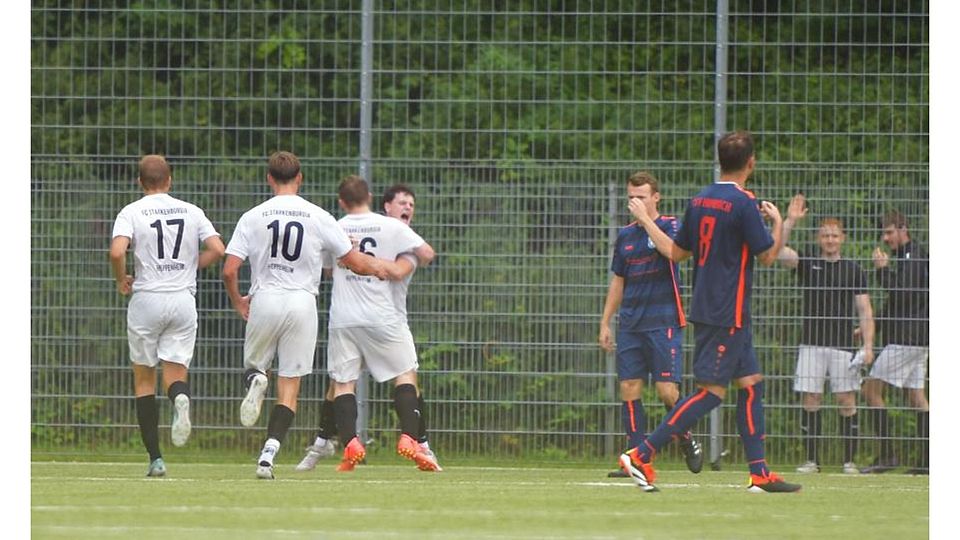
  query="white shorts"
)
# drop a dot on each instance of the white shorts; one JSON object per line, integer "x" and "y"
{"x": 814, "y": 364}
{"x": 282, "y": 325}
{"x": 903, "y": 366}
{"x": 161, "y": 326}
{"x": 387, "y": 351}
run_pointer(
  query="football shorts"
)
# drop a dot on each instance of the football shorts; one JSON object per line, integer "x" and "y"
{"x": 386, "y": 351}
{"x": 282, "y": 325}
{"x": 814, "y": 364}
{"x": 161, "y": 326}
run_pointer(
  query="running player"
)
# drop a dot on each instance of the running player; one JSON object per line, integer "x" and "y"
{"x": 165, "y": 234}
{"x": 399, "y": 202}
{"x": 285, "y": 238}
{"x": 367, "y": 328}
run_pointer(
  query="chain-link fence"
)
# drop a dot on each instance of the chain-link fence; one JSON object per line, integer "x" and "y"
{"x": 516, "y": 123}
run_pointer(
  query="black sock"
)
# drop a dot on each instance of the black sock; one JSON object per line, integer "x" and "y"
{"x": 881, "y": 430}
{"x": 248, "y": 377}
{"x": 345, "y": 411}
{"x": 850, "y": 432}
{"x": 147, "y": 417}
{"x": 923, "y": 434}
{"x": 422, "y": 409}
{"x": 405, "y": 403}
{"x": 810, "y": 427}
{"x": 328, "y": 421}
{"x": 177, "y": 388}
{"x": 280, "y": 419}
{"x": 684, "y": 439}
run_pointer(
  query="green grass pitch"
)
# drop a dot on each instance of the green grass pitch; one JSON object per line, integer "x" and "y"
{"x": 389, "y": 498}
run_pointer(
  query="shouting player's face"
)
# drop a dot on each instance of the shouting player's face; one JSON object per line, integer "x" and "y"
{"x": 643, "y": 193}
{"x": 401, "y": 207}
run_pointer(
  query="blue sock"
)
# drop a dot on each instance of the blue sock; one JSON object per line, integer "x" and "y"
{"x": 750, "y": 425}
{"x": 634, "y": 422}
{"x": 683, "y": 416}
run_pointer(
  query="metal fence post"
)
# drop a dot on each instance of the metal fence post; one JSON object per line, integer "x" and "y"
{"x": 610, "y": 445}
{"x": 719, "y": 128}
{"x": 366, "y": 116}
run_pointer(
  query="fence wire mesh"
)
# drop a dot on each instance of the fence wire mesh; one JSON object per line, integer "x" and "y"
{"x": 517, "y": 125}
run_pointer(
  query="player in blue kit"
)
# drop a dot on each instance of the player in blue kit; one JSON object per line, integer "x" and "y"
{"x": 645, "y": 285}
{"x": 723, "y": 231}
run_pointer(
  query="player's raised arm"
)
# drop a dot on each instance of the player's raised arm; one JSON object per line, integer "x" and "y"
{"x": 788, "y": 257}
{"x": 770, "y": 211}
{"x": 665, "y": 245}
{"x": 118, "y": 262}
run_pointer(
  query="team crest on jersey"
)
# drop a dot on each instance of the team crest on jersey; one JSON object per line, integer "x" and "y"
{"x": 628, "y": 247}
{"x": 650, "y": 243}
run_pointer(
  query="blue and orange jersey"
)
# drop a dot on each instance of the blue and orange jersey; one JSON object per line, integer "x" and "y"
{"x": 651, "y": 282}
{"x": 724, "y": 230}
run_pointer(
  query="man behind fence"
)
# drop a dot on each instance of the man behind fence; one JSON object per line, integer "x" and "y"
{"x": 905, "y": 329}
{"x": 645, "y": 285}
{"x": 723, "y": 230}
{"x": 285, "y": 238}
{"x": 834, "y": 288}
{"x": 165, "y": 234}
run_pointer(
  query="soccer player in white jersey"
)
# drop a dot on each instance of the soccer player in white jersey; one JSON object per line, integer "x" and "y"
{"x": 367, "y": 329}
{"x": 165, "y": 234}
{"x": 285, "y": 239}
{"x": 399, "y": 202}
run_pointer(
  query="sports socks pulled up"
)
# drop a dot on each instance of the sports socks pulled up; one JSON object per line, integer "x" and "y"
{"x": 751, "y": 426}
{"x": 682, "y": 417}
{"x": 148, "y": 417}
{"x": 634, "y": 422}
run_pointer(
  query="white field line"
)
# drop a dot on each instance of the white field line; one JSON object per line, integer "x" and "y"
{"x": 309, "y": 533}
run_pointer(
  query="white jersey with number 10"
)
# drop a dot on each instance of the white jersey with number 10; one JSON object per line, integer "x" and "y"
{"x": 286, "y": 238}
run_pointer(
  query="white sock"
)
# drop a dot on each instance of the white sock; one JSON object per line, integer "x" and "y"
{"x": 320, "y": 442}
{"x": 270, "y": 449}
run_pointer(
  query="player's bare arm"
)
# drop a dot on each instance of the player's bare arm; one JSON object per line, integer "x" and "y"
{"x": 664, "y": 243}
{"x": 213, "y": 251}
{"x": 771, "y": 213}
{"x": 796, "y": 211}
{"x": 118, "y": 262}
{"x": 610, "y": 306}
{"x": 231, "y": 281}
{"x": 425, "y": 254}
{"x": 399, "y": 269}
{"x": 364, "y": 265}
{"x": 866, "y": 328}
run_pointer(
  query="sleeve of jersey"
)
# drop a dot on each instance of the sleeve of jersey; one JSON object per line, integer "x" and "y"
{"x": 409, "y": 239}
{"x": 335, "y": 240}
{"x": 757, "y": 236}
{"x": 619, "y": 263}
{"x": 123, "y": 226}
{"x": 684, "y": 235}
{"x": 238, "y": 242}
{"x": 206, "y": 228}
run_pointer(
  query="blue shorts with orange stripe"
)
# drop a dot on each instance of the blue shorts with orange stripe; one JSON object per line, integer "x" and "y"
{"x": 723, "y": 354}
{"x": 656, "y": 354}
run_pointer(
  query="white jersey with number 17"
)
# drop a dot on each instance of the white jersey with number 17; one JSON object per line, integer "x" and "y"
{"x": 285, "y": 238}
{"x": 365, "y": 300}
{"x": 165, "y": 235}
